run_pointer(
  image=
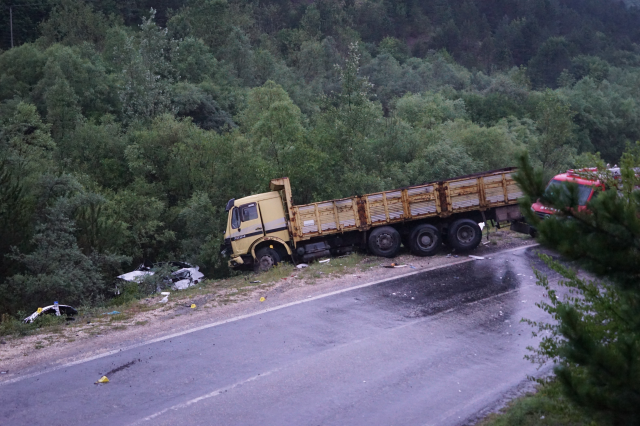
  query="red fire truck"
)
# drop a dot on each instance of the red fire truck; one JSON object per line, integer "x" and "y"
{"x": 588, "y": 187}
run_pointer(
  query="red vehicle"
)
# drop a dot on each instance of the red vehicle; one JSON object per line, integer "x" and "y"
{"x": 587, "y": 188}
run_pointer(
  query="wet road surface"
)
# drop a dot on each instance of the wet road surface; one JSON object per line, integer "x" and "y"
{"x": 433, "y": 348}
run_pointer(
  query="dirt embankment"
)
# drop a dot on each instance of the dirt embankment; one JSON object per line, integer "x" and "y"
{"x": 97, "y": 332}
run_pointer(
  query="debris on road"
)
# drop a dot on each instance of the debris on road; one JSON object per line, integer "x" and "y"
{"x": 395, "y": 265}
{"x": 102, "y": 379}
{"x": 255, "y": 282}
{"x": 262, "y": 299}
{"x": 193, "y": 306}
{"x": 302, "y": 265}
{"x": 111, "y": 313}
{"x": 4, "y": 372}
{"x": 476, "y": 257}
{"x": 324, "y": 261}
{"x": 165, "y": 299}
{"x": 55, "y": 309}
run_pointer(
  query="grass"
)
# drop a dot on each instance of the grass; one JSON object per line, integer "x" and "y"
{"x": 547, "y": 407}
{"x": 226, "y": 291}
{"x": 10, "y": 326}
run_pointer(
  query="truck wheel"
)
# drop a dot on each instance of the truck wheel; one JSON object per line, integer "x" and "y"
{"x": 425, "y": 240}
{"x": 266, "y": 258}
{"x": 464, "y": 235}
{"x": 384, "y": 241}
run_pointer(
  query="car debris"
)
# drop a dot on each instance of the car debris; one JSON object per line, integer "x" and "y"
{"x": 55, "y": 309}
{"x": 103, "y": 379}
{"x": 394, "y": 265}
{"x": 476, "y": 257}
{"x": 184, "y": 277}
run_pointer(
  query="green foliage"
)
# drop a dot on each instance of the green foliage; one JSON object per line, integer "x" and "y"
{"x": 274, "y": 123}
{"x": 548, "y": 407}
{"x": 73, "y": 22}
{"x": 158, "y": 117}
{"x": 595, "y": 341}
{"x": 554, "y": 148}
{"x": 56, "y": 268}
{"x": 395, "y": 48}
{"x": 428, "y": 110}
{"x": 491, "y": 147}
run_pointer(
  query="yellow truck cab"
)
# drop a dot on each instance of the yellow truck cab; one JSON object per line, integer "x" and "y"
{"x": 256, "y": 229}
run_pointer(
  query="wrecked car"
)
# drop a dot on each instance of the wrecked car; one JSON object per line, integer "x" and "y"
{"x": 55, "y": 309}
{"x": 186, "y": 275}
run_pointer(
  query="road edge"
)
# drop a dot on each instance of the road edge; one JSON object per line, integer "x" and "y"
{"x": 253, "y": 314}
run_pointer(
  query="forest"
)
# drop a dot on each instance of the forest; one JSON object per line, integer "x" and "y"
{"x": 125, "y": 128}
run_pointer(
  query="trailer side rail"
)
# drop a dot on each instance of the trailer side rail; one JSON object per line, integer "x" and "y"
{"x": 436, "y": 199}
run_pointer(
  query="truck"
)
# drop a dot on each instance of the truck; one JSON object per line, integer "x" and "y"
{"x": 589, "y": 181}
{"x": 588, "y": 186}
{"x": 265, "y": 229}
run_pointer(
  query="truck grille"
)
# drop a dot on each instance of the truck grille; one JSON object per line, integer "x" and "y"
{"x": 542, "y": 215}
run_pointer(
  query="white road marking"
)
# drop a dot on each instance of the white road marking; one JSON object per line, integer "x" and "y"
{"x": 395, "y": 329}
{"x": 200, "y": 398}
{"x": 241, "y": 317}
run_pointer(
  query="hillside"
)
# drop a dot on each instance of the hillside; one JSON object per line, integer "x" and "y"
{"x": 124, "y": 129}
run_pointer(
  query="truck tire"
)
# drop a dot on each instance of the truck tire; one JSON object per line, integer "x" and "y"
{"x": 464, "y": 235}
{"x": 425, "y": 240}
{"x": 384, "y": 241}
{"x": 266, "y": 258}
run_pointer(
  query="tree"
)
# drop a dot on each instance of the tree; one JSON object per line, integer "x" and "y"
{"x": 57, "y": 269}
{"x": 554, "y": 149}
{"x": 74, "y": 22}
{"x": 203, "y": 223}
{"x": 209, "y": 20}
{"x": 147, "y": 73}
{"x": 395, "y": 48}
{"x": 551, "y": 59}
{"x": 63, "y": 112}
{"x": 595, "y": 342}
{"x": 429, "y": 109}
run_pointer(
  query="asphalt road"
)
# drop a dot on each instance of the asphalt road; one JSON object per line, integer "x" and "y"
{"x": 433, "y": 348}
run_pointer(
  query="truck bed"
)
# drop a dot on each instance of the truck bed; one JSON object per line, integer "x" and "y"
{"x": 480, "y": 192}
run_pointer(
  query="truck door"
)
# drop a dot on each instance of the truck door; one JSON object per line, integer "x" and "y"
{"x": 246, "y": 227}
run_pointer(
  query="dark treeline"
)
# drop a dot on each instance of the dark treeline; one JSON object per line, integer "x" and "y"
{"x": 124, "y": 129}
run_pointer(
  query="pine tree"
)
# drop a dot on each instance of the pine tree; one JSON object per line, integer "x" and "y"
{"x": 596, "y": 340}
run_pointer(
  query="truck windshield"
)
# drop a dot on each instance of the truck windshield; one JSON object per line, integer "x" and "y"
{"x": 583, "y": 190}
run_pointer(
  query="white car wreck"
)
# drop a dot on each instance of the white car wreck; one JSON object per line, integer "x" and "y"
{"x": 55, "y": 309}
{"x": 186, "y": 276}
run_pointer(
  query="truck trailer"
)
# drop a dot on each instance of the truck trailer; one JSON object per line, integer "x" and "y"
{"x": 264, "y": 229}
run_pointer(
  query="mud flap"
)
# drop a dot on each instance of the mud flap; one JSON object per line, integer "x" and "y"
{"x": 521, "y": 227}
